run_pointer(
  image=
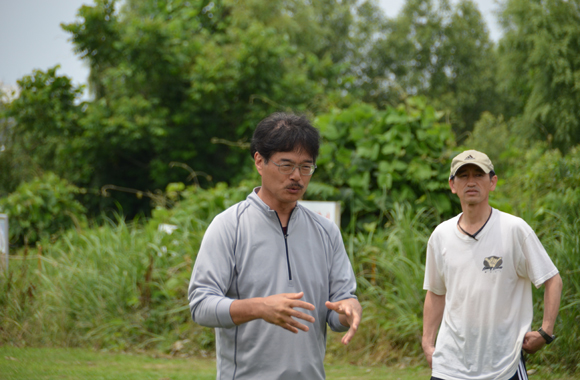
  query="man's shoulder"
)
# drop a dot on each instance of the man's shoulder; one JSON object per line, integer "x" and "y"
{"x": 231, "y": 214}
{"x": 447, "y": 225}
{"x": 509, "y": 220}
{"x": 324, "y": 223}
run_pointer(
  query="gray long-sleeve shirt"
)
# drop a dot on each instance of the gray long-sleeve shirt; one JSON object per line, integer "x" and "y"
{"x": 244, "y": 254}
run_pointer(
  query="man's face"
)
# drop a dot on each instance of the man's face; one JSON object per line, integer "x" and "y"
{"x": 282, "y": 189}
{"x": 472, "y": 185}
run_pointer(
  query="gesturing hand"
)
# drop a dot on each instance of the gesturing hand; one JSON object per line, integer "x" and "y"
{"x": 279, "y": 309}
{"x": 350, "y": 313}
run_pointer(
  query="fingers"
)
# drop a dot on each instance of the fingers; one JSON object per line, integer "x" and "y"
{"x": 348, "y": 336}
{"x": 301, "y": 305}
{"x": 293, "y": 295}
{"x": 354, "y": 319}
{"x": 304, "y": 316}
{"x": 333, "y": 306}
{"x": 351, "y": 312}
{"x": 429, "y": 354}
{"x": 533, "y": 341}
{"x": 280, "y": 310}
{"x": 294, "y": 326}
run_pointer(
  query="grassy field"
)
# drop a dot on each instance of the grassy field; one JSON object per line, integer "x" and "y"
{"x": 69, "y": 364}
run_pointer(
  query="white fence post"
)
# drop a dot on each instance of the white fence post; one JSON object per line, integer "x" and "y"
{"x": 4, "y": 241}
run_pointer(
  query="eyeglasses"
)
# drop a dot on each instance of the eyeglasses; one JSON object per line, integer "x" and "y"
{"x": 289, "y": 168}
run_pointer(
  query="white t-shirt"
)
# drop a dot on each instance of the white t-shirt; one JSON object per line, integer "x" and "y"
{"x": 488, "y": 295}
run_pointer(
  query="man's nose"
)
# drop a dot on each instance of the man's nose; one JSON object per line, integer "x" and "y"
{"x": 295, "y": 175}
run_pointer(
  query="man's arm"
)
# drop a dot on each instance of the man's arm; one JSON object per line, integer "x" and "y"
{"x": 533, "y": 341}
{"x": 278, "y": 309}
{"x": 344, "y": 309}
{"x": 432, "y": 316}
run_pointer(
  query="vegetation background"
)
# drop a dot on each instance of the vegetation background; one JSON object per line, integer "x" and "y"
{"x": 176, "y": 90}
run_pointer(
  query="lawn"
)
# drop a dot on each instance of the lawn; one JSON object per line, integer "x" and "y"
{"x": 72, "y": 364}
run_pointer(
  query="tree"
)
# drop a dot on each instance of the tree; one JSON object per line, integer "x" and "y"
{"x": 38, "y": 130}
{"x": 439, "y": 51}
{"x": 177, "y": 81}
{"x": 172, "y": 80}
{"x": 540, "y": 68}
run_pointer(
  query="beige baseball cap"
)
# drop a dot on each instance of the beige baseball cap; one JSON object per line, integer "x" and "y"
{"x": 471, "y": 157}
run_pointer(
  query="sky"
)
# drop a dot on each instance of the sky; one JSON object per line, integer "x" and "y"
{"x": 31, "y": 36}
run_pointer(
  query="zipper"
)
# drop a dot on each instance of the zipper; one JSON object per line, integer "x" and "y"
{"x": 286, "y": 242}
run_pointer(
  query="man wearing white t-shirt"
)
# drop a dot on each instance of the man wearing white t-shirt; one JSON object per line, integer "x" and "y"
{"x": 478, "y": 274}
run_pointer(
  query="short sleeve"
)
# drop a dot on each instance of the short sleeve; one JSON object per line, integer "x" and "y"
{"x": 539, "y": 265}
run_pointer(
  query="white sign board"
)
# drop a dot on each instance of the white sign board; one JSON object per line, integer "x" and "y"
{"x": 330, "y": 210}
{"x": 4, "y": 241}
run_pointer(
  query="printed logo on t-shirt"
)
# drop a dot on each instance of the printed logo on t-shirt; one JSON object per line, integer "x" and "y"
{"x": 492, "y": 263}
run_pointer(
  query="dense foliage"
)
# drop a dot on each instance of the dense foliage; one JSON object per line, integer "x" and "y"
{"x": 373, "y": 159}
{"x": 42, "y": 208}
{"x": 186, "y": 81}
{"x": 440, "y": 50}
{"x": 177, "y": 81}
{"x": 540, "y": 56}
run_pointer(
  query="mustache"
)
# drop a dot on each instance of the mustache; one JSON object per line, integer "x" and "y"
{"x": 295, "y": 186}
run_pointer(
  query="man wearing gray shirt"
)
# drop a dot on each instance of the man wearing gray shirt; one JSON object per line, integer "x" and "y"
{"x": 271, "y": 274}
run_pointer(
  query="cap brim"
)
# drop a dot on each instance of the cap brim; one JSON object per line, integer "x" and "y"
{"x": 485, "y": 169}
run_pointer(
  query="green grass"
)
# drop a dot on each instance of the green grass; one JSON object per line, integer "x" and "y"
{"x": 69, "y": 364}
{"x": 65, "y": 364}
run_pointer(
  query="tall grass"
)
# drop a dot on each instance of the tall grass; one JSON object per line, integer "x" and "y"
{"x": 119, "y": 285}
{"x": 561, "y": 238}
{"x": 113, "y": 286}
{"x": 389, "y": 264}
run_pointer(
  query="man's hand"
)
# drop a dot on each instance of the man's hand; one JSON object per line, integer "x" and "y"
{"x": 429, "y": 349}
{"x": 432, "y": 316}
{"x": 533, "y": 341}
{"x": 350, "y": 314}
{"x": 277, "y": 309}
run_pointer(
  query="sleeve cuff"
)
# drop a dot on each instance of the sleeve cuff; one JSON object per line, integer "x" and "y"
{"x": 542, "y": 280}
{"x": 222, "y": 312}
{"x": 334, "y": 322}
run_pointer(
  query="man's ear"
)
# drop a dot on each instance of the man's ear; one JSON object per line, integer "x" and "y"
{"x": 494, "y": 180}
{"x": 259, "y": 162}
{"x": 452, "y": 186}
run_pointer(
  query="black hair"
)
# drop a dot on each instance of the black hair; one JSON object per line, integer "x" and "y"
{"x": 283, "y": 132}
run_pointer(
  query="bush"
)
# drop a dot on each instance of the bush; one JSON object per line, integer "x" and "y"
{"x": 41, "y": 208}
{"x": 374, "y": 159}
